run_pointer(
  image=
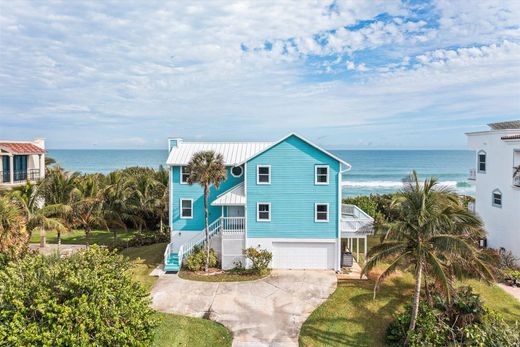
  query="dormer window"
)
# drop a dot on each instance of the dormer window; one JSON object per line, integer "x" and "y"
{"x": 185, "y": 174}
{"x": 496, "y": 198}
{"x": 481, "y": 162}
{"x": 321, "y": 174}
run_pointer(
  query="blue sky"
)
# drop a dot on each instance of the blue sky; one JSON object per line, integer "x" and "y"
{"x": 346, "y": 74}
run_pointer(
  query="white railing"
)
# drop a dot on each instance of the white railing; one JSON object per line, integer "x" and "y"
{"x": 355, "y": 220}
{"x": 167, "y": 253}
{"x": 233, "y": 224}
{"x": 472, "y": 174}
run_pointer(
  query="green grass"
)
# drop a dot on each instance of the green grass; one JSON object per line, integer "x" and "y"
{"x": 174, "y": 330}
{"x": 351, "y": 317}
{"x": 223, "y": 277}
{"x": 100, "y": 237}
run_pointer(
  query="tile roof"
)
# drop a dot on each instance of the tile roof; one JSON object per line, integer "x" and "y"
{"x": 513, "y": 124}
{"x": 21, "y": 148}
{"x": 234, "y": 152}
{"x": 233, "y": 197}
{"x": 511, "y": 137}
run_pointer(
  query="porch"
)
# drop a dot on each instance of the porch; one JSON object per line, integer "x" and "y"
{"x": 355, "y": 225}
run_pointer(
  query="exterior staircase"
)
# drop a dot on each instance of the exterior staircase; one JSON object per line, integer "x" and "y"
{"x": 172, "y": 262}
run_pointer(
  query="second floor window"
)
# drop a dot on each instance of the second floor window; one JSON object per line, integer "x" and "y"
{"x": 263, "y": 212}
{"x": 263, "y": 174}
{"x": 186, "y": 208}
{"x": 321, "y": 174}
{"x": 321, "y": 212}
{"x": 184, "y": 175}
{"x": 497, "y": 198}
{"x": 482, "y": 161}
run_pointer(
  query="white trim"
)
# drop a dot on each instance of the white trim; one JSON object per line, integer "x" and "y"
{"x": 180, "y": 174}
{"x": 316, "y": 220}
{"x": 338, "y": 213}
{"x": 258, "y": 175}
{"x": 479, "y": 153}
{"x": 236, "y": 176}
{"x": 180, "y": 208}
{"x": 304, "y": 140}
{"x": 258, "y": 219}
{"x": 501, "y": 197}
{"x": 321, "y": 166}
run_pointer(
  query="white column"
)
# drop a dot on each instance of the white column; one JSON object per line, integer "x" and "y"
{"x": 357, "y": 248}
{"x": 365, "y": 248}
{"x": 11, "y": 169}
{"x": 41, "y": 159}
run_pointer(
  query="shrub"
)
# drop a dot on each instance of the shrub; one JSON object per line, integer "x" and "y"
{"x": 197, "y": 259}
{"x": 493, "y": 331}
{"x": 88, "y": 298}
{"x": 464, "y": 308}
{"x": 260, "y": 259}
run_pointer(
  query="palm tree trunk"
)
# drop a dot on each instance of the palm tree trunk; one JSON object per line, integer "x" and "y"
{"x": 207, "y": 226}
{"x": 59, "y": 240}
{"x": 87, "y": 237}
{"x": 416, "y": 297}
{"x": 42, "y": 238}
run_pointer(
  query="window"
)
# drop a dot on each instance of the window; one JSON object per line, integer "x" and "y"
{"x": 237, "y": 171}
{"x": 263, "y": 212}
{"x": 186, "y": 208}
{"x": 321, "y": 212}
{"x": 263, "y": 174}
{"x": 321, "y": 174}
{"x": 482, "y": 162}
{"x": 497, "y": 198}
{"x": 184, "y": 175}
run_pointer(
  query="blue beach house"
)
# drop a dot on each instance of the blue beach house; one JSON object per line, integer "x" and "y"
{"x": 283, "y": 196}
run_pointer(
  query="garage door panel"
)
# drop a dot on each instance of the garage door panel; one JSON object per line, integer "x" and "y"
{"x": 303, "y": 255}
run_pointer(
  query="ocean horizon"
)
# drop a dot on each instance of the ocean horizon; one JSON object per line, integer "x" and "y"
{"x": 373, "y": 171}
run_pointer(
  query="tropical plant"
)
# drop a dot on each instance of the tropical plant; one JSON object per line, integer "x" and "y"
{"x": 144, "y": 197}
{"x": 196, "y": 261}
{"x": 38, "y": 215}
{"x": 207, "y": 169}
{"x": 86, "y": 299}
{"x": 14, "y": 237}
{"x": 260, "y": 259}
{"x": 434, "y": 234}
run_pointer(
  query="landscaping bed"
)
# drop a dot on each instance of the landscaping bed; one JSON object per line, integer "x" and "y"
{"x": 218, "y": 275}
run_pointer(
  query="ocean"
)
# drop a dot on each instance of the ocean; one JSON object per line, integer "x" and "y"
{"x": 373, "y": 171}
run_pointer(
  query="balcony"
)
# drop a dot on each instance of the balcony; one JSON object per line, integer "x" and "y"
{"x": 472, "y": 175}
{"x": 19, "y": 176}
{"x": 516, "y": 181}
{"x": 355, "y": 222}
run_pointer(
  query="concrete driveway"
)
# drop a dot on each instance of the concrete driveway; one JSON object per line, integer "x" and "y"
{"x": 266, "y": 312}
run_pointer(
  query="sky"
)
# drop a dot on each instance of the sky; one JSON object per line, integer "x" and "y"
{"x": 345, "y": 74}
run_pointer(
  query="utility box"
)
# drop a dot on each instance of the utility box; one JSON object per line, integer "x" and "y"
{"x": 347, "y": 260}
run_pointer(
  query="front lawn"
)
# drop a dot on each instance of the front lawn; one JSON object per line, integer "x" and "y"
{"x": 225, "y": 276}
{"x": 351, "y": 317}
{"x": 174, "y": 330}
{"x": 99, "y": 237}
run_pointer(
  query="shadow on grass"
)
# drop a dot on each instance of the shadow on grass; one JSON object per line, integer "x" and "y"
{"x": 351, "y": 317}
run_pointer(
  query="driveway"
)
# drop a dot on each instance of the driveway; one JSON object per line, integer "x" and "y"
{"x": 266, "y": 312}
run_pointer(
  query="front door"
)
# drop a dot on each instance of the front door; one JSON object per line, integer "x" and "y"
{"x": 236, "y": 211}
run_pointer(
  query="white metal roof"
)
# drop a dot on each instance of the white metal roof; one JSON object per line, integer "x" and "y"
{"x": 234, "y": 152}
{"x": 233, "y": 197}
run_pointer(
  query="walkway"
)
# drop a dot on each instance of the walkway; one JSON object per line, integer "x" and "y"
{"x": 266, "y": 312}
{"x": 514, "y": 291}
{"x": 52, "y": 248}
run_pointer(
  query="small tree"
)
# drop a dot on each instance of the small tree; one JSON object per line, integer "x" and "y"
{"x": 207, "y": 169}
{"x": 14, "y": 237}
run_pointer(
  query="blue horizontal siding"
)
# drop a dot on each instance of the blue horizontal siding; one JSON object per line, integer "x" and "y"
{"x": 185, "y": 191}
{"x": 292, "y": 192}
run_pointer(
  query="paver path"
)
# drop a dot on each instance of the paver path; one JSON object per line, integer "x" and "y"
{"x": 266, "y": 312}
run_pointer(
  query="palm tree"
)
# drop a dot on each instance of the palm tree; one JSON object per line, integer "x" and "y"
{"x": 115, "y": 201}
{"x": 433, "y": 232}
{"x": 38, "y": 215}
{"x": 13, "y": 234}
{"x": 146, "y": 191}
{"x": 207, "y": 169}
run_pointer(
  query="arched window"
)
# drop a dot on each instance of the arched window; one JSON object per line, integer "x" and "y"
{"x": 496, "y": 198}
{"x": 481, "y": 164}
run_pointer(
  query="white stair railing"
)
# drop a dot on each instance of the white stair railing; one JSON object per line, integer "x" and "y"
{"x": 233, "y": 224}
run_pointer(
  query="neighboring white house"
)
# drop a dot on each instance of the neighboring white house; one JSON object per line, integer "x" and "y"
{"x": 21, "y": 161}
{"x": 497, "y": 179}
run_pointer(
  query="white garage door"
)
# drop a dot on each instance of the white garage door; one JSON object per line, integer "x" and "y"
{"x": 303, "y": 255}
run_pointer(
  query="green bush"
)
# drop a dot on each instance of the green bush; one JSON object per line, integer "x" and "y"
{"x": 260, "y": 259}
{"x": 197, "y": 259}
{"x": 88, "y": 298}
{"x": 493, "y": 331}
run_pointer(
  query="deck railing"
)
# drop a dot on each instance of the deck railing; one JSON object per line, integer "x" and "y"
{"x": 233, "y": 224}
{"x": 355, "y": 220}
{"x": 20, "y": 176}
